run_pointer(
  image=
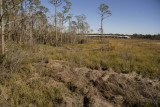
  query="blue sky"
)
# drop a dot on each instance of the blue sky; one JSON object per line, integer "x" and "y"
{"x": 128, "y": 16}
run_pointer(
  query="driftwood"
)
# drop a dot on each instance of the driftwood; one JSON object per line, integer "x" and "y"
{"x": 97, "y": 49}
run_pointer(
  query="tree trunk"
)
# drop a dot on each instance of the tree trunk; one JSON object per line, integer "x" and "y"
{"x": 102, "y": 32}
{"x": 62, "y": 30}
{"x": 2, "y": 30}
{"x": 9, "y": 34}
{"x": 9, "y": 26}
{"x": 56, "y": 23}
{"x": 22, "y": 27}
{"x": 70, "y": 30}
{"x": 14, "y": 24}
{"x": 25, "y": 26}
{"x": 30, "y": 22}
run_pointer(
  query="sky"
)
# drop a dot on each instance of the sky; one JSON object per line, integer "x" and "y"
{"x": 128, "y": 16}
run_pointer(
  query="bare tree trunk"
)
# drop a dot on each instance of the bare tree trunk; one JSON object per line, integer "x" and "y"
{"x": 56, "y": 23}
{"x": 62, "y": 30}
{"x": 9, "y": 34}
{"x": 70, "y": 30}
{"x": 22, "y": 27}
{"x": 2, "y": 30}
{"x": 25, "y": 26}
{"x": 30, "y": 23}
{"x": 9, "y": 27}
{"x": 14, "y": 23}
{"x": 102, "y": 32}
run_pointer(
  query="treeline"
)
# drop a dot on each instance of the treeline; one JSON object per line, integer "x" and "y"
{"x": 134, "y": 36}
{"x": 140, "y": 36}
{"x": 26, "y": 22}
{"x": 147, "y": 36}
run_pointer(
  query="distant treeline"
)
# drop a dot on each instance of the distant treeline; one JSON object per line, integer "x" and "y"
{"x": 136, "y": 36}
{"x": 148, "y": 36}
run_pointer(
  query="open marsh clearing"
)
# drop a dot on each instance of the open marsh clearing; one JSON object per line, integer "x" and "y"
{"x": 122, "y": 55}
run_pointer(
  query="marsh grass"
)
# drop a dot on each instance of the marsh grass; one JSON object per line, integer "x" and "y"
{"x": 122, "y": 55}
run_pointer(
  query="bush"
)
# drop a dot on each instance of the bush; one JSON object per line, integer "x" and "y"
{"x": 15, "y": 56}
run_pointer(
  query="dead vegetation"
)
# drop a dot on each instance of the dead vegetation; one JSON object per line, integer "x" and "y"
{"x": 103, "y": 88}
